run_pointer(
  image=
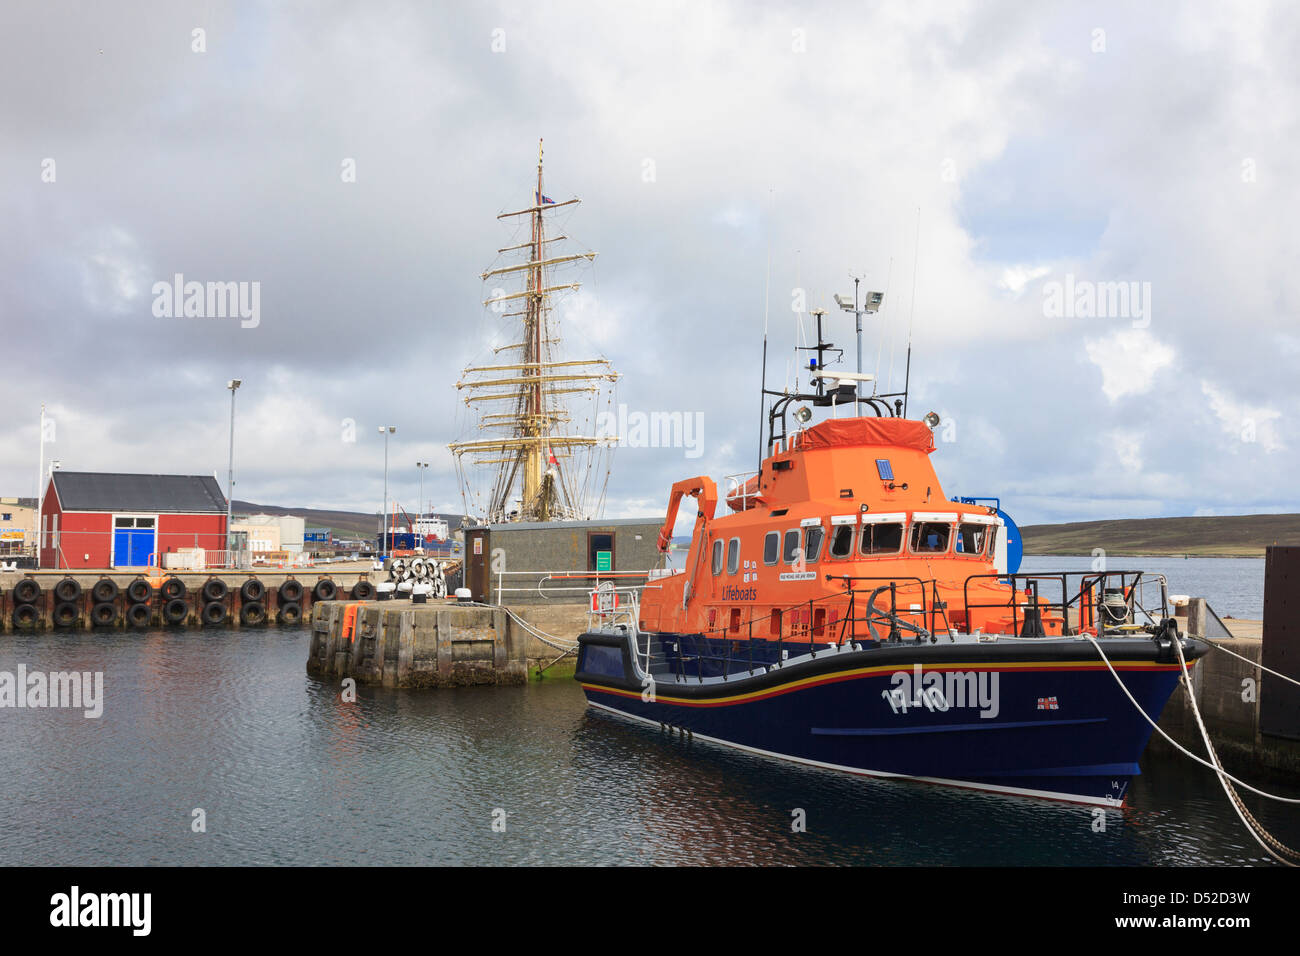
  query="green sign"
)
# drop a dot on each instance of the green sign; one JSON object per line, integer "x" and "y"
{"x": 604, "y": 560}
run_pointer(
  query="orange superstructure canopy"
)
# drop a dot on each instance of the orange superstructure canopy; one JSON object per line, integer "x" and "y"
{"x": 894, "y": 432}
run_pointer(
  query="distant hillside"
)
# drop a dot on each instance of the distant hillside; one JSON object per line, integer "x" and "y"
{"x": 349, "y": 524}
{"x": 1211, "y": 536}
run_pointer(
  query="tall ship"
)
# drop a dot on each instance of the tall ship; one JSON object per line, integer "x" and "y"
{"x": 534, "y": 452}
{"x": 837, "y": 608}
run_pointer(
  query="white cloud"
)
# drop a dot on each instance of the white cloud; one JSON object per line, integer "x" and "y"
{"x": 1129, "y": 360}
{"x": 1128, "y": 448}
{"x": 1249, "y": 424}
{"x": 1015, "y": 278}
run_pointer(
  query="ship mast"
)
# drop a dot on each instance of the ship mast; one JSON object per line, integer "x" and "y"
{"x": 527, "y": 459}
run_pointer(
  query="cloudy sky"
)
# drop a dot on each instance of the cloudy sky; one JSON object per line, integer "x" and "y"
{"x": 994, "y": 156}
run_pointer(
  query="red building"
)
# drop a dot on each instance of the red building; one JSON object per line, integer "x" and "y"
{"x": 106, "y": 520}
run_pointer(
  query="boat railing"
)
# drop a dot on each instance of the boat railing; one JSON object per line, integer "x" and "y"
{"x": 1103, "y": 601}
{"x": 737, "y": 487}
{"x": 817, "y": 632}
{"x": 864, "y": 608}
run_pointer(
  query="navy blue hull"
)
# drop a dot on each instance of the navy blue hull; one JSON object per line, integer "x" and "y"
{"x": 1046, "y": 719}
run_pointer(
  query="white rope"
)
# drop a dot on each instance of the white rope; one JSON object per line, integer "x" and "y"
{"x": 541, "y": 635}
{"x": 1247, "y": 819}
{"x": 1176, "y": 744}
{"x": 1266, "y": 670}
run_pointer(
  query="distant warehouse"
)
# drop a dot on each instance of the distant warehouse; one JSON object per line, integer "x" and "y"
{"x": 110, "y": 520}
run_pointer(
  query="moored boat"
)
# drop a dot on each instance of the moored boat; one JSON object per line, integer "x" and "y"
{"x": 843, "y": 612}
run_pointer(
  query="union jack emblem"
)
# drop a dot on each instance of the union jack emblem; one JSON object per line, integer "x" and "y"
{"x": 1048, "y": 703}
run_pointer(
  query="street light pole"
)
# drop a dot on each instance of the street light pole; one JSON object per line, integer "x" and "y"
{"x": 423, "y": 466}
{"x": 40, "y": 488}
{"x": 233, "y": 385}
{"x": 386, "y": 430}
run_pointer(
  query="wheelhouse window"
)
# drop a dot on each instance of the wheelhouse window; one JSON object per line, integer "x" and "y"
{"x": 930, "y": 537}
{"x": 812, "y": 542}
{"x": 972, "y": 539}
{"x": 717, "y": 558}
{"x": 733, "y": 555}
{"x": 842, "y": 540}
{"x": 882, "y": 538}
{"x": 790, "y": 547}
{"x": 771, "y": 547}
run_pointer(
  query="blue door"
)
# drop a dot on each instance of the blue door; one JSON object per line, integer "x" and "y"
{"x": 141, "y": 546}
{"x": 132, "y": 546}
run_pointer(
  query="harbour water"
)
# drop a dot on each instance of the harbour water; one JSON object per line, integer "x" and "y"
{"x": 286, "y": 773}
{"x": 1232, "y": 586}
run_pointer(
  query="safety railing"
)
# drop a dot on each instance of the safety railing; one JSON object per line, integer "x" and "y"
{"x": 737, "y": 486}
{"x": 547, "y": 583}
{"x": 1114, "y": 601}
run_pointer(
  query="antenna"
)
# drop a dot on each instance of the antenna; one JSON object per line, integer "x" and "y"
{"x": 767, "y": 305}
{"x": 907, "y": 376}
{"x": 762, "y": 395}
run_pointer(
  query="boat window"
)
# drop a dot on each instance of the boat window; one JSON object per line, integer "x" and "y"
{"x": 971, "y": 539}
{"x": 733, "y": 555}
{"x": 771, "y": 547}
{"x": 812, "y": 542}
{"x": 930, "y": 537}
{"x": 717, "y": 557}
{"x": 842, "y": 540}
{"x": 882, "y": 538}
{"x": 790, "y": 550}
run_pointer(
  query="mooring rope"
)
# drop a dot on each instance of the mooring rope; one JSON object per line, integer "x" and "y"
{"x": 1266, "y": 670}
{"x": 1246, "y": 817}
{"x": 1278, "y": 850}
{"x": 567, "y": 647}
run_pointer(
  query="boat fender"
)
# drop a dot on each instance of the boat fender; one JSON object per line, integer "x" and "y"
{"x": 24, "y": 616}
{"x": 175, "y": 611}
{"x": 67, "y": 590}
{"x": 137, "y": 615}
{"x": 214, "y": 612}
{"x": 290, "y": 612}
{"x": 101, "y": 615}
{"x": 252, "y": 590}
{"x": 254, "y": 612}
{"x": 173, "y": 588}
{"x": 26, "y": 591}
{"x": 65, "y": 613}
{"x": 104, "y": 591}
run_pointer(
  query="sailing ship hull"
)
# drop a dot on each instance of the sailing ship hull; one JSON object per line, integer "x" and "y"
{"x": 1046, "y": 720}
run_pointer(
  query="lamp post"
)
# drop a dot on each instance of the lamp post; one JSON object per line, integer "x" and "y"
{"x": 40, "y": 487}
{"x": 233, "y": 385}
{"x": 386, "y": 430}
{"x": 423, "y": 466}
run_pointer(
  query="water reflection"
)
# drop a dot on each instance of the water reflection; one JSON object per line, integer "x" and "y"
{"x": 228, "y": 721}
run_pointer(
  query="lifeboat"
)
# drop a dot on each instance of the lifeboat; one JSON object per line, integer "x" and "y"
{"x": 844, "y": 612}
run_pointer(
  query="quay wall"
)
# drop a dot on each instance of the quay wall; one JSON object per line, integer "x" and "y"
{"x": 1228, "y": 692}
{"x": 270, "y": 600}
